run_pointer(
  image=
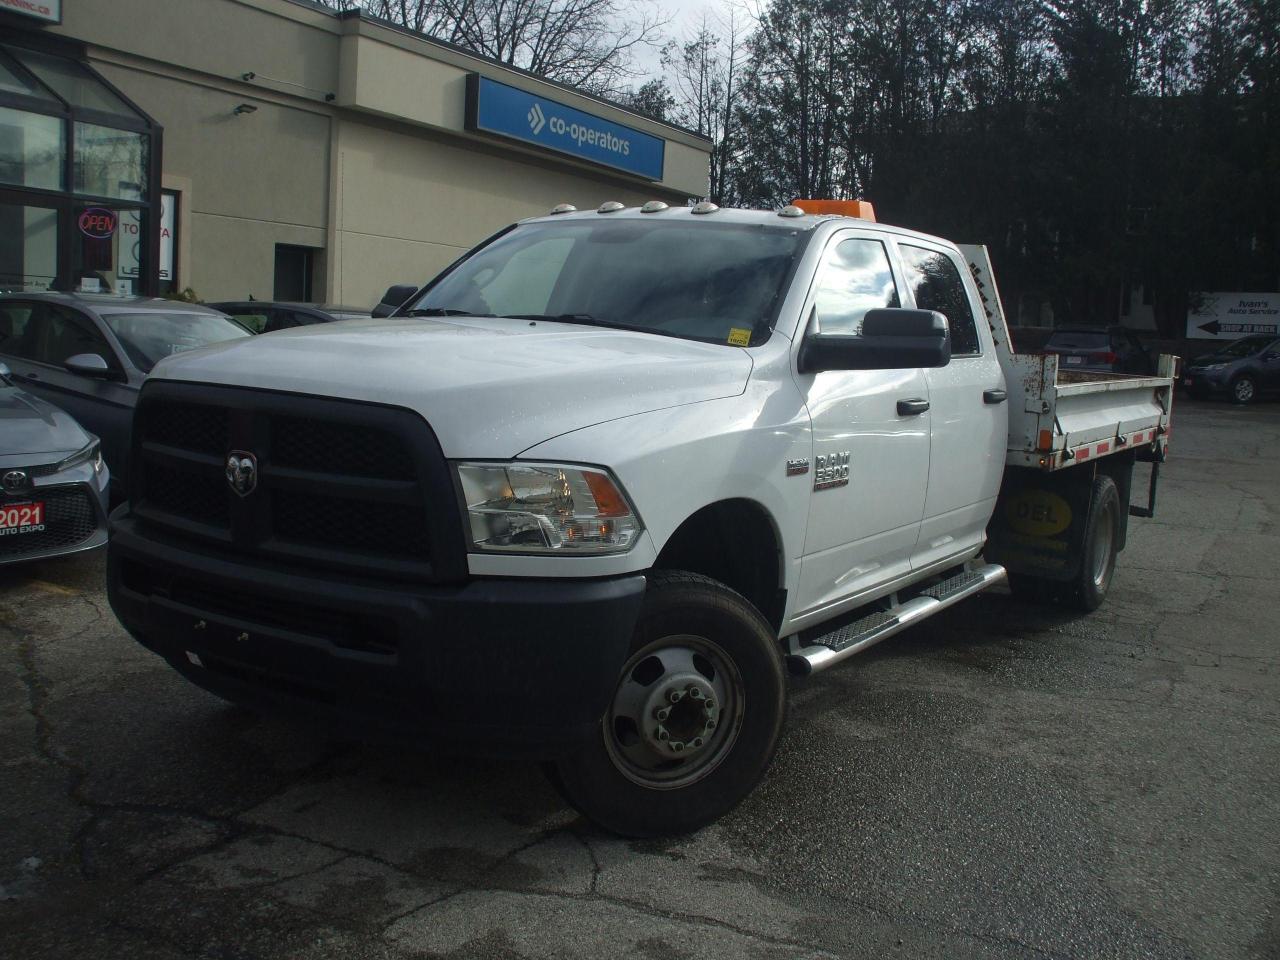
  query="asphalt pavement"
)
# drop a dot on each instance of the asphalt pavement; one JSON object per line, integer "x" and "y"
{"x": 1003, "y": 781}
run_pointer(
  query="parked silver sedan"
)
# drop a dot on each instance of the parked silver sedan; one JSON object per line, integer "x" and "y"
{"x": 53, "y": 481}
{"x": 89, "y": 354}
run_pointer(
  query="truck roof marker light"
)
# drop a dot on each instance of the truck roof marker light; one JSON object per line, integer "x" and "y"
{"x": 861, "y": 209}
{"x": 610, "y": 206}
{"x": 706, "y": 206}
{"x": 563, "y": 208}
{"x": 791, "y": 210}
{"x": 653, "y": 206}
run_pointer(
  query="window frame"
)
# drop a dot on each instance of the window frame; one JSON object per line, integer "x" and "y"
{"x": 837, "y": 238}
{"x": 65, "y": 200}
{"x": 975, "y": 310}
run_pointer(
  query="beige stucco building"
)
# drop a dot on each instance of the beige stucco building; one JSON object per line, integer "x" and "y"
{"x": 302, "y": 154}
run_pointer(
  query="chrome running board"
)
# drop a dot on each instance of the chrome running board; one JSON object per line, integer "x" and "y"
{"x": 855, "y": 637}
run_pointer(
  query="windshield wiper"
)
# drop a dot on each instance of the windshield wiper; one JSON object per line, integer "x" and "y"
{"x": 443, "y": 312}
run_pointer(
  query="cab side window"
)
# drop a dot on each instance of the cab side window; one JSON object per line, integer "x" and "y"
{"x": 855, "y": 277}
{"x": 935, "y": 282}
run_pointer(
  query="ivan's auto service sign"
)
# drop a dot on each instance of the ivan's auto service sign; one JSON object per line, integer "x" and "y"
{"x": 1229, "y": 316}
{"x": 49, "y": 10}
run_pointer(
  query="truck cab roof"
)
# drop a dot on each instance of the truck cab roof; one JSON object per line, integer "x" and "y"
{"x": 765, "y": 218}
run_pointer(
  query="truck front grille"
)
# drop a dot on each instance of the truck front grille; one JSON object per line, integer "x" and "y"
{"x": 364, "y": 452}
{"x": 372, "y": 528}
{"x": 338, "y": 484}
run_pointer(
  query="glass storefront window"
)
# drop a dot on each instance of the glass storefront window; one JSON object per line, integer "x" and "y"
{"x": 108, "y": 250}
{"x": 28, "y": 247}
{"x": 78, "y": 177}
{"x": 110, "y": 162}
{"x": 12, "y": 82}
{"x": 32, "y": 150}
{"x": 73, "y": 83}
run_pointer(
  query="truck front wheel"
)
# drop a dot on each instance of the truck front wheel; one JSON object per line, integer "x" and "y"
{"x": 695, "y": 717}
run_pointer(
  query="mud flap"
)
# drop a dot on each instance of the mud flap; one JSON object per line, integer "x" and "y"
{"x": 1039, "y": 522}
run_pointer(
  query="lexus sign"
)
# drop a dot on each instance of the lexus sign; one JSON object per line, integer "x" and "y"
{"x": 48, "y": 10}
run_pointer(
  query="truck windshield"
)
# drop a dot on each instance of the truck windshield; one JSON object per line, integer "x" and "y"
{"x": 717, "y": 282}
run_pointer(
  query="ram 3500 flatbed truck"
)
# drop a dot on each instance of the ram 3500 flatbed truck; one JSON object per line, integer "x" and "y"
{"x": 591, "y": 491}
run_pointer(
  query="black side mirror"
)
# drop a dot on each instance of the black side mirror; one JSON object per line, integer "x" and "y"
{"x": 88, "y": 365}
{"x": 394, "y": 299}
{"x": 893, "y": 338}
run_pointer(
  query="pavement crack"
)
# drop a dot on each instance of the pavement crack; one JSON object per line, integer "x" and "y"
{"x": 47, "y": 749}
{"x": 596, "y": 869}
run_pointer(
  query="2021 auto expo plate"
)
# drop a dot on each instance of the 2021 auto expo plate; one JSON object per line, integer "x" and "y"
{"x": 17, "y": 518}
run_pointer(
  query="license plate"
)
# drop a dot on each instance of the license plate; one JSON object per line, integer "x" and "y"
{"x": 1075, "y": 359}
{"x": 18, "y": 518}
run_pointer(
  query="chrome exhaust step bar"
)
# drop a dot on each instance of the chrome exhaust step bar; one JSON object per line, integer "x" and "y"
{"x": 852, "y": 638}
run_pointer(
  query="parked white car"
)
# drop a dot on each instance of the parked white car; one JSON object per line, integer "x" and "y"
{"x": 626, "y": 467}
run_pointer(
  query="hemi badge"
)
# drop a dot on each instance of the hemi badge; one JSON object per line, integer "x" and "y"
{"x": 796, "y": 468}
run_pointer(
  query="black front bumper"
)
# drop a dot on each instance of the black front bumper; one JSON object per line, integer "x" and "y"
{"x": 496, "y": 665}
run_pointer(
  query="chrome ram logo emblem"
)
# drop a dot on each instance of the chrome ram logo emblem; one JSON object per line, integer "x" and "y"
{"x": 242, "y": 472}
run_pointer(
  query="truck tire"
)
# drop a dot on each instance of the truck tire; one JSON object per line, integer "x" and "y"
{"x": 1243, "y": 389}
{"x": 1098, "y": 564}
{"x": 694, "y": 720}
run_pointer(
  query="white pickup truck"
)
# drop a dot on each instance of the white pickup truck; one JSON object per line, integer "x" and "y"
{"x": 593, "y": 490}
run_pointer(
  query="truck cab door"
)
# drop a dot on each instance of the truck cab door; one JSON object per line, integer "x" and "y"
{"x": 870, "y": 441}
{"x": 970, "y": 408}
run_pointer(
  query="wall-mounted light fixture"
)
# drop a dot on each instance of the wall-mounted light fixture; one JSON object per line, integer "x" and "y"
{"x": 244, "y": 108}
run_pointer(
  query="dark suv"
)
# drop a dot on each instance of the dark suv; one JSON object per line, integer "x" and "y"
{"x": 1099, "y": 350}
{"x": 1244, "y": 370}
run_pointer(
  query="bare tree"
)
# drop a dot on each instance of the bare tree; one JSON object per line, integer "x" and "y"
{"x": 583, "y": 43}
{"x": 705, "y": 76}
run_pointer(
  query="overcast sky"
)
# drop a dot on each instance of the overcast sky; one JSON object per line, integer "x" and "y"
{"x": 685, "y": 17}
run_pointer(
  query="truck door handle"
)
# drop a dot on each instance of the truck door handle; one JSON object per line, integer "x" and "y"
{"x": 994, "y": 396}
{"x": 912, "y": 408}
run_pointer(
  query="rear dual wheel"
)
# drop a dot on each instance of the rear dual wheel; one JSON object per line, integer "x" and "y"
{"x": 1089, "y": 587}
{"x": 695, "y": 716}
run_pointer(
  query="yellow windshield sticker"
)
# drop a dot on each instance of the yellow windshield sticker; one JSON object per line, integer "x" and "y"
{"x": 739, "y": 337}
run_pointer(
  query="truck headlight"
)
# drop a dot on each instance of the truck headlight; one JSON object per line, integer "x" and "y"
{"x": 545, "y": 508}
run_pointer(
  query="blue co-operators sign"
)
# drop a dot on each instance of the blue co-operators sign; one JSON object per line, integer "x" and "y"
{"x": 496, "y": 108}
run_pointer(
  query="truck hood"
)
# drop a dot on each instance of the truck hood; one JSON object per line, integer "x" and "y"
{"x": 34, "y": 432}
{"x": 489, "y": 387}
